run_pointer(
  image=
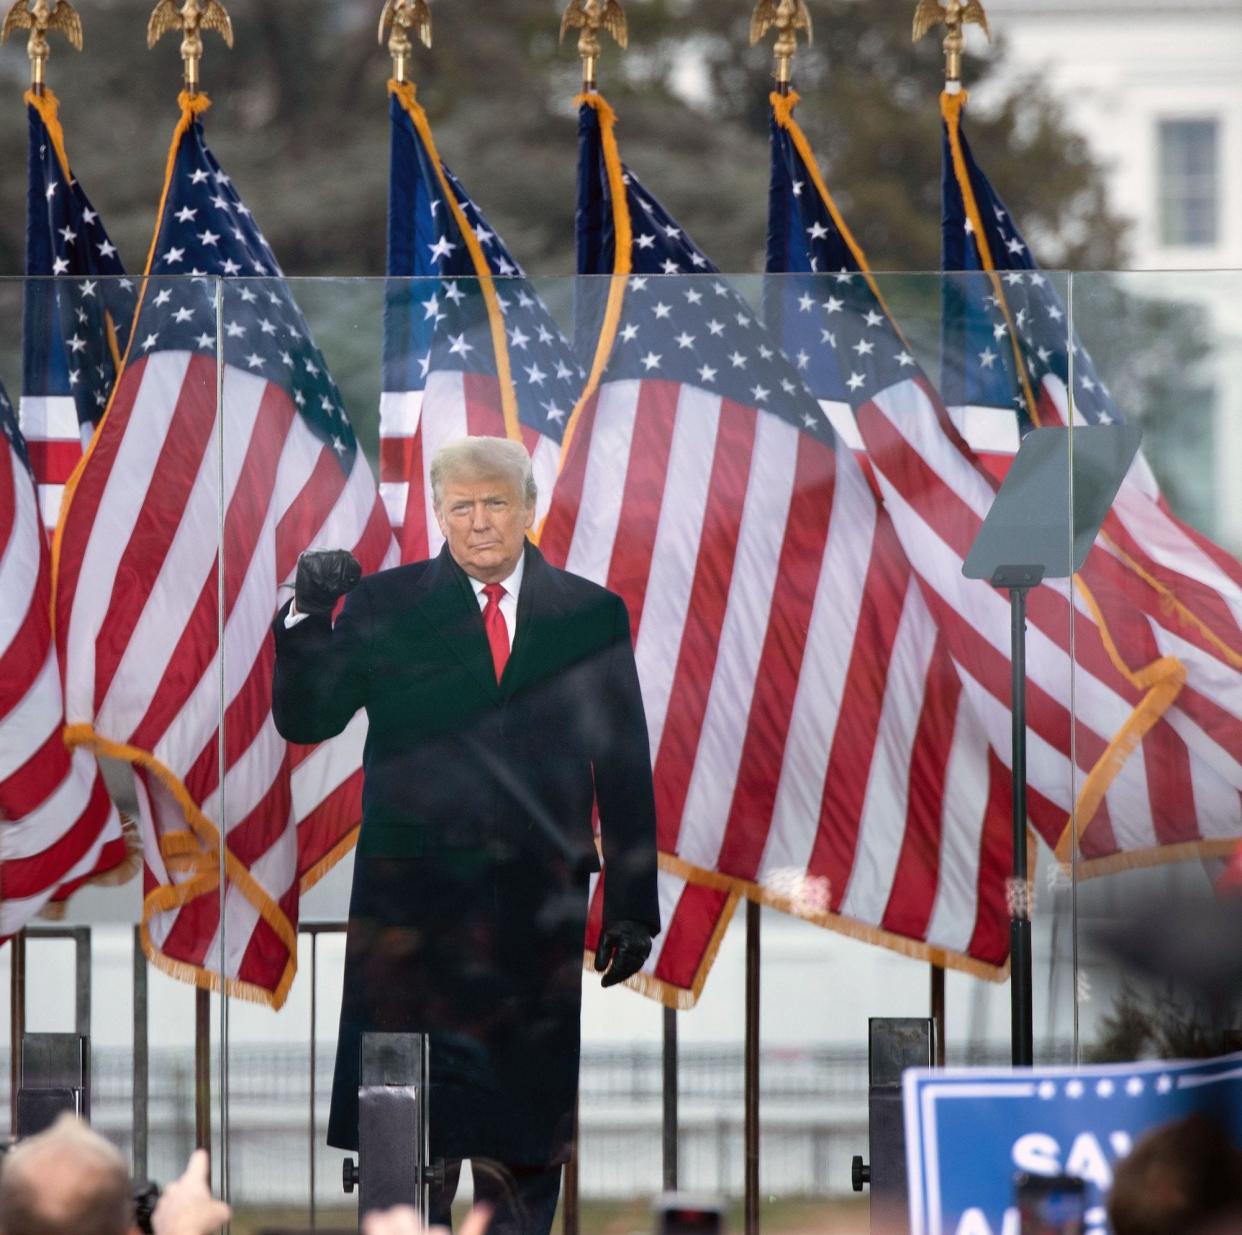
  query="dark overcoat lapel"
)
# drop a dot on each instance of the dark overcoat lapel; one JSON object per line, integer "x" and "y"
{"x": 444, "y": 604}
{"x": 445, "y": 607}
{"x": 540, "y": 609}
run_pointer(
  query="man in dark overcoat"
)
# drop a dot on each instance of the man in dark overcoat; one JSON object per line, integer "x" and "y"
{"x": 503, "y": 705}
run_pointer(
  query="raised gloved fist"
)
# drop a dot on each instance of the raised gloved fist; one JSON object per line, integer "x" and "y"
{"x": 324, "y": 576}
{"x": 623, "y": 947}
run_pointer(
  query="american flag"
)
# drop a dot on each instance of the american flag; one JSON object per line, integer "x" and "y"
{"x": 1010, "y": 354}
{"x": 806, "y": 312}
{"x": 75, "y": 321}
{"x": 469, "y": 348}
{"x": 937, "y": 493}
{"x": 782, "y": 644}
{"x": 58, "y": 827}
{"x": 234, "y": 432}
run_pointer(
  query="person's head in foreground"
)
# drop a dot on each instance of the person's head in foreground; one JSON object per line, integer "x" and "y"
{"x": 1183, "y": 1178}
{"x": 65, "y": 1181}
{"x": 70, "y": 1181}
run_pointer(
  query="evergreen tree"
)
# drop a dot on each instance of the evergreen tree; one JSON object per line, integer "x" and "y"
{"x": 299, "y": 120}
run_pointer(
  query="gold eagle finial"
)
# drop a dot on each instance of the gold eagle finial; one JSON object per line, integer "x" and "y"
{"x": 191, "y": 19}
{"x": 787, "y": 17}
{"x": 396, "y": 21}
{"x": 954, "y": 14}
{"x": 592, "y": 16}
{"x": 39, "y": 18}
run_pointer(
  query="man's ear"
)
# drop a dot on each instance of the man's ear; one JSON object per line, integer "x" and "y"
{"x": 440, "y": 520}
{"x": 530, "y": 517}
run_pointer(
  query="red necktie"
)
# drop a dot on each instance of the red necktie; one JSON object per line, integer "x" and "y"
{"x": 494, "y": 624}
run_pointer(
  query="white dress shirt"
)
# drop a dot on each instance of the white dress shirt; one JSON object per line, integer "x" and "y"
{"x": 508, "y": 602}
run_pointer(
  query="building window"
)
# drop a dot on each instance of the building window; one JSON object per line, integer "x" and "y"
{"x": 1189, "y": 177}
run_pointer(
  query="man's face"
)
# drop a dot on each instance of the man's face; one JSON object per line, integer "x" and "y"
{"x": 485, "y": 520}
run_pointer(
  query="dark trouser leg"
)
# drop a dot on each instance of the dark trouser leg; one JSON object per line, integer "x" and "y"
{"x": 523, "y": 1198}
{"x": 440, "y": 1198}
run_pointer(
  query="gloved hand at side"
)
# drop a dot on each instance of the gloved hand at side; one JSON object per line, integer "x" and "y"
{"x": 324, "y": 576}
{"x": 623, "y": 947}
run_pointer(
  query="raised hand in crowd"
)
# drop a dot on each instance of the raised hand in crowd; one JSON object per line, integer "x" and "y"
{"x": 187, "y": 1206}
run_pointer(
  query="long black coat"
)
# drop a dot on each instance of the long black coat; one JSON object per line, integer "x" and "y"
{"x": 469, "y": 897}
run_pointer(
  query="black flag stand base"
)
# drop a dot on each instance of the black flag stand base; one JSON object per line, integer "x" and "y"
{"x": 393, "y": 1166}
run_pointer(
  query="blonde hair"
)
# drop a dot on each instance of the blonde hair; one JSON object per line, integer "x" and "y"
{"x": 483, "y": 456}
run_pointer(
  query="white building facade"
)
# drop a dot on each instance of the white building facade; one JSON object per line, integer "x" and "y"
{"x": 1155, "y": 87}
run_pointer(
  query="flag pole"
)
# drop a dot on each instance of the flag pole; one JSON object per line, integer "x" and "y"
{"x": 17, "y": 1020}
{"x": 954, "y": 14}
{"x": 202, "y": 1069}
{"x": 398, "y": 18}
{"x": 39, "y": 19}
{"x": 192, "y": 18}
{"x": 750, "y": 1155}
{"x": 937, "y": 1010}
{"x": 592, "y": 16}
{"x": 786, "y": 17}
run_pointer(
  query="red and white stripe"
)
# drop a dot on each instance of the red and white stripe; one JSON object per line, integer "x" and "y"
{"x": 138, "y": 613}
{"x": 54, "y": 443}
{"x": 1169, "y": 790}
{"x": 58, "y": 827}
{"x": 991, "y": 433}
{"x": 1206, "y": 579}
{"x": 414, "y": 424}
{"x": 809, "y": 736}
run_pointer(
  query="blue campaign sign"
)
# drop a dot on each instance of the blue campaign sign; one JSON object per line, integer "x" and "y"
{"x": 970, "y": 1130}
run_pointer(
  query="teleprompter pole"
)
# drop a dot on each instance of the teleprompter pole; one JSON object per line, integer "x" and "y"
{"x": 1020, "y": 977}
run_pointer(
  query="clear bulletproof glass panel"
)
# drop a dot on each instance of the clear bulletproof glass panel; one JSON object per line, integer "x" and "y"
{"x": 111, "y": 800}
{"x": 781, "y": 478}
{"x": 1154, "y": 835}
{"x": 820, "y": 742}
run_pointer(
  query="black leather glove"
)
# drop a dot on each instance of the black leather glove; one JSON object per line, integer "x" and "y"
{"x": 324, "y": 576}
{"x": 623, "y": 947}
